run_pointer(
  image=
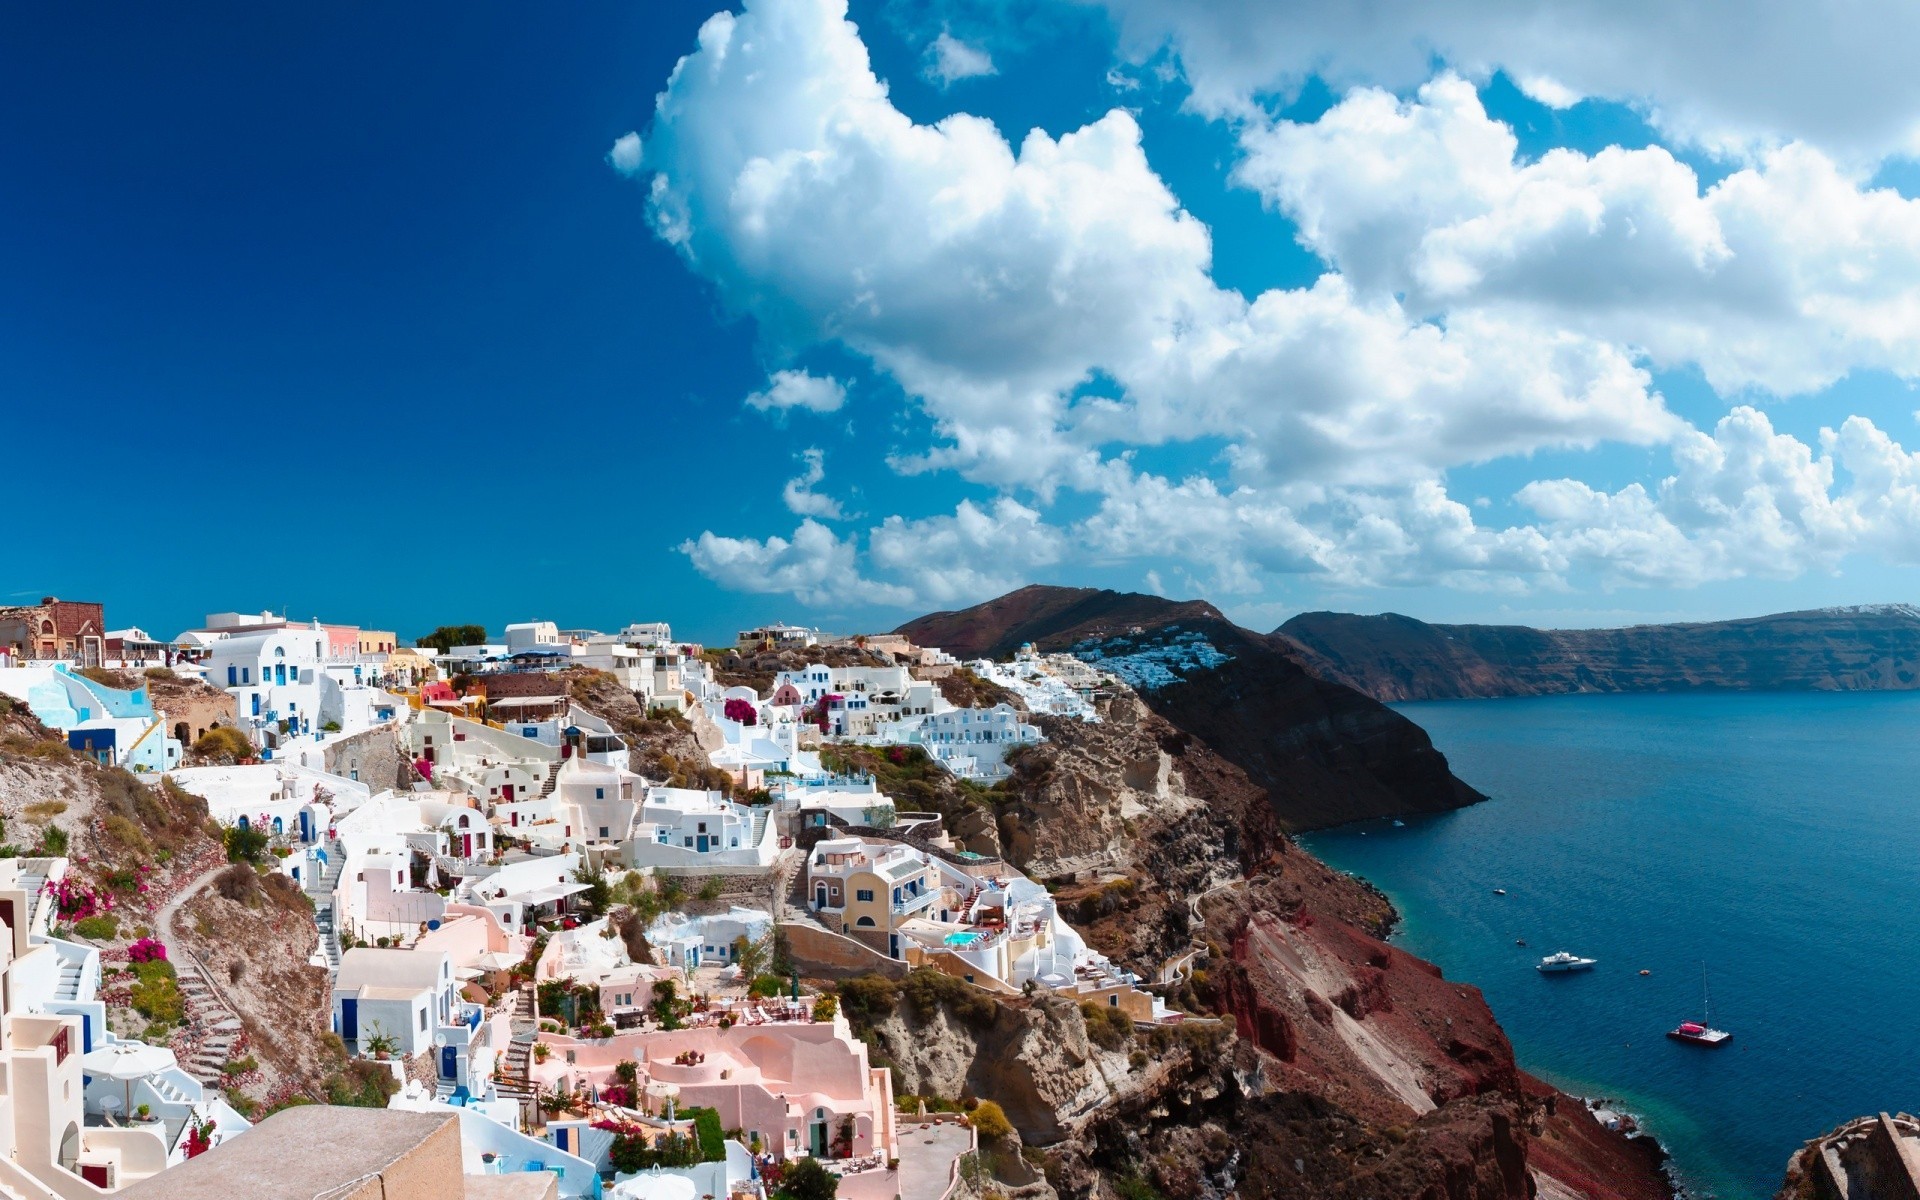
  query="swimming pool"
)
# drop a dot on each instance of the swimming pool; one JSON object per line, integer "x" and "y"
{"x": 962, "y": 939}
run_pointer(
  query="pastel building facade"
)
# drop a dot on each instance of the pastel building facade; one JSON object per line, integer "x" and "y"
{"x": 796, "y": 1088}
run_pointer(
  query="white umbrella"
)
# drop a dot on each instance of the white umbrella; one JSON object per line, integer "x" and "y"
{"x": 128, "y": 1061}
{"x": 654, "y": 1187}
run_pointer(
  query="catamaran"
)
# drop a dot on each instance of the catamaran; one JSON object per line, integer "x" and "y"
{"x": 1701, "y": 1032}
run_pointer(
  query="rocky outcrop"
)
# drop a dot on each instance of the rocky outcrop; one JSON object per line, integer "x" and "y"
{"x": 1390, "y": 657}
{"x": 1319, "y": 1061}
{"x": 1870, "y": 1158}
{"x": 1324, "y": 753}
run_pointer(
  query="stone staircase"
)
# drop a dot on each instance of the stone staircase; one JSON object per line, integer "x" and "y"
{"x": 762, "y": 813}
{"x": 516, "y": 1080}
{"x": 552, "y": 781}
{"x": 206, "y": 1010}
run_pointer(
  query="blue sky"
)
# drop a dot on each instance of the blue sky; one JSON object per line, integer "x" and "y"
{"x": 348, "y": 312}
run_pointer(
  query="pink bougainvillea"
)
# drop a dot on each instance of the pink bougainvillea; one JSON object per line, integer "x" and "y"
{"x": 743, "y": 711}
{"x": 76, "y": 901}
{"x": 147, "y": 950}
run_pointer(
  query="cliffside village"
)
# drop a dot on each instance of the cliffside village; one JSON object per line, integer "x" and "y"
{"x": 459, "y": 821}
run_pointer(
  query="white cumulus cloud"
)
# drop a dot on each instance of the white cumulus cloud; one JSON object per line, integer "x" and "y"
{"x": 788, "y": 390}
{"x": 799, "y": 494}
{"x": 625, "y": 155}
{"x": 1051, "y": 307}
{"x": 1832, "y": 72}
{"x": 1784, "y": 275}
{"x": 949, "y": 60}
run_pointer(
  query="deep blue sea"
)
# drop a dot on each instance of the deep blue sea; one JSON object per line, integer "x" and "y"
{"x": 1776, "y": 837}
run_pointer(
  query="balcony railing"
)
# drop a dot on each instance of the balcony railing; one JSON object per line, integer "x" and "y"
{"x": 915, "y": 903}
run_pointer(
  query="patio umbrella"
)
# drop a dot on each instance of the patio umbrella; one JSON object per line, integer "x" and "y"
{"x": 128, "y": 1061}
{"x": 655, "y": 1187}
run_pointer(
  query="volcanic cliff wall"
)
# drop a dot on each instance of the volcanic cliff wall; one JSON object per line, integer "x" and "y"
{"x": 1325, "y": 753}
{"x": 1391, "y": 657}
{"x": 1319, "y": 1062}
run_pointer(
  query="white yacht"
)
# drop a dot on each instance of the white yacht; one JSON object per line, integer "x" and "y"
{"x": 1562, "y": 961}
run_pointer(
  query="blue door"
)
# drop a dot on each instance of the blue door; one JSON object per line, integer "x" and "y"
{"x": 280, "y": 673}
{"x": 702, "y": 846}
{"x": 349, "y": 1019}
{"x": 233, "y": 676}
{"x": 306, "y": 825}
{"x": 449, "y": 1062}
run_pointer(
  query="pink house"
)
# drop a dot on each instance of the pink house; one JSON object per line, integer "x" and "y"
{"x": 800, "y": 1087}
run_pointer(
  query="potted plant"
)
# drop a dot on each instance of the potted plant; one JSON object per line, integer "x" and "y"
{"x": 382, "y": 1044}
{"x": 143, "y": 1113}
{"x": 540, "y": 1051}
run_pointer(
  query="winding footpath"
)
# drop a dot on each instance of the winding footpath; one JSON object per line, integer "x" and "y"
{"x": 211, "y": 1027}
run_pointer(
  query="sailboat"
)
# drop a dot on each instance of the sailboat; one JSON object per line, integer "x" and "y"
{"x": 1701, "y": 1032}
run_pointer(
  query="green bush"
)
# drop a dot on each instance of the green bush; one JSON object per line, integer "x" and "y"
{"x": 223, "y": 741}
{"x": 156, "y": 993}
{"x": 766, "y": 986}
{"x": 244, "y": 844}
{"x": 991, "y": 1121}
{"x": 867, "y": 998}
{"x": 806, "y": 1179}
{"x": 97, "y": 929}
{"x": 707, "y": 1129}
{"x": 1107, "y": 1026}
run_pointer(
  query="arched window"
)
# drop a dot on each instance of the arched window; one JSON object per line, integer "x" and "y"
{"x": 865, "y": 922}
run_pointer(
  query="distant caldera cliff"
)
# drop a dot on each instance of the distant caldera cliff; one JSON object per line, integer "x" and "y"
{"x": 1390, "y": 657}
{"x": 1325, "y": 753}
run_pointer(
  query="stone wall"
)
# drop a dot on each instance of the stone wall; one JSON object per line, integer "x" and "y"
{"x": 819, "y": 954}
{"x": 373, "y": 757}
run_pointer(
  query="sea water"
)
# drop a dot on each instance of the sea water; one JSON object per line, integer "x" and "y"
{"x": 1774, "y": 837}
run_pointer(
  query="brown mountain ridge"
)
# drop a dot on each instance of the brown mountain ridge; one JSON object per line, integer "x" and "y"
{"x": 1325, "y": 753}
{"x": 1392, "y": 657}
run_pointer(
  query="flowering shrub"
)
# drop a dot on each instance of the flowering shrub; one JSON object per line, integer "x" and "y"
{"x": 617, "y": 1094}
{"x": 147, "y": 950}
{"x": 199, "y": 1139}
{"x": 76, "y": 901}
{"x": 742, "y": 711}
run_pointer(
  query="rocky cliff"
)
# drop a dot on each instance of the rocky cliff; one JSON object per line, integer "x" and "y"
{"x": 1317, "y": 1060}
{"x": 1324, "y": 753}
{"x": 1390, "y": 657}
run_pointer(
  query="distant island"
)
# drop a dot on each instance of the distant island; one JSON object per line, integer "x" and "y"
{"x": 1392, "y": 657}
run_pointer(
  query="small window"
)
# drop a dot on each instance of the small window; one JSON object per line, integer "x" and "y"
{"x": 603, "y": 831}
{"x": 423, "y": 1018}
{"x": 600, "y": 794}
{"x": 1113, "y": 1001}
{"x": 864, "y": 894}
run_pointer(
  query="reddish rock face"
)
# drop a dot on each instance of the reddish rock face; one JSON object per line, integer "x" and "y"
{"x": 1359, "y": 1072}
